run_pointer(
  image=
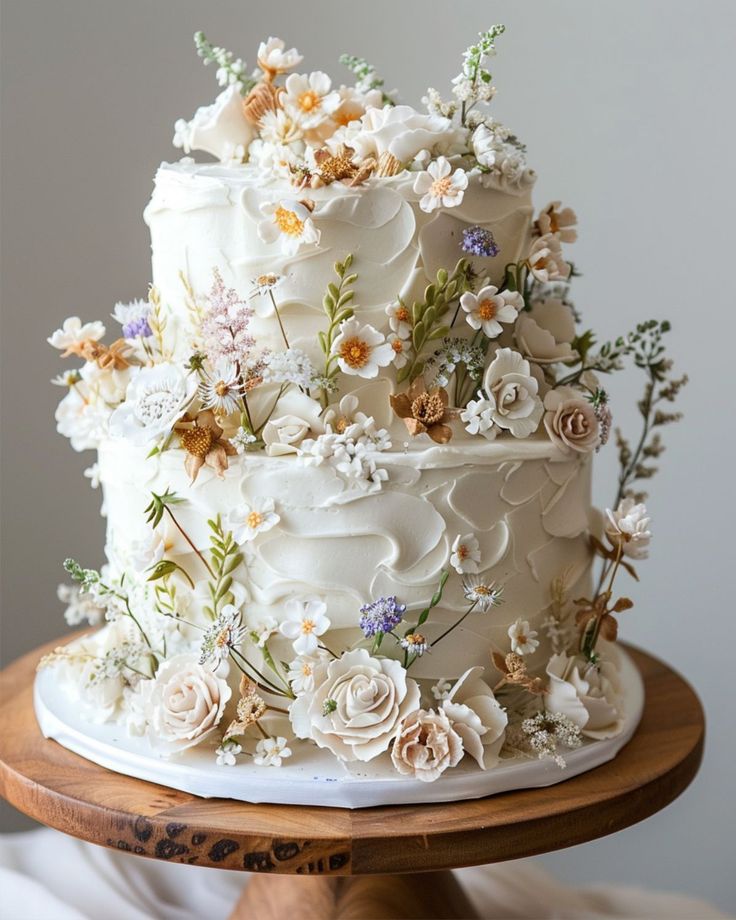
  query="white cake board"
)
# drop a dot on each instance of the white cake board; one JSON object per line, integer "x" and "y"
{"x": 313, "y": 776}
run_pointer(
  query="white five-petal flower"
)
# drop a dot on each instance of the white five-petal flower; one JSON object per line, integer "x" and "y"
{"x": 227, "y": 753}
{"x": 247, "y": 521}
{"x": 288, "y": 222}
{"x": 628, "y": 526}
{"x": 74, "y": 331}
{"x": 305, "y": 621}
{"x": 465, "y": 555}
{"x": 401, "y": 348}
{"x": 523, "y": 639}
{"x": 439, "y": 186}
{"x": 309, "y": 98}
{"x": 399, "y": 319}
{"x": 270, "y": 752}
{"x": 273, "y": 58}
{"x": 478, "y": 417}
{"x": 361, "y": 349}
{"x": 488, "y": 308}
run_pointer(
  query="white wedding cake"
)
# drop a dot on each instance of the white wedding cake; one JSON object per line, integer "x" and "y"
{"x": 345, "y": 446}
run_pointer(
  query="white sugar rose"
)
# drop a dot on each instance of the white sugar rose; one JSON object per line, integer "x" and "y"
{"x": 427, "y": 744}
{"x": 477, "y": 717}
{"x": 512, "y": 390}
{"x": 357, "y": 706}
{"x": 571, "y": 421}
{"x": 628, "y": 526}
{"x": 403, "y": 132}
{"x": 156, "y": 399}
{"x": 82, "y": 418}
{"x": 544, "y": 333}
{"x": 297, "y": 418}
{"x": 588, "y": 694}
{"x": 220, "y": 129}
{"x": 186, "y": 703}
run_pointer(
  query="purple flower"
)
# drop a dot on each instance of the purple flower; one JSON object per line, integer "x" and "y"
{"x": 137, "y": 327}
{"x": 133, "y": 317}
{"x": 381, "y": 616}
{"x": 479, "y": 242}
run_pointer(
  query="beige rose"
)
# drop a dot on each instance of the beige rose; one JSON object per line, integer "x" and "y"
{"x": 544, "y": 333}
{"x": 186, "y": 703}
{"x": 588, "y": 694}
{"x": 571, "y": 421}
{"x": 427, "y": 744}
{"x": 300, "y": 419}
{"x": 477, "y": 717}
{"x": 357, "y": 706}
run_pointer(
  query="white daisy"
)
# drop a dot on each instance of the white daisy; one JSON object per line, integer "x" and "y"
{"x": 305, "y": 621}
{"x": 401, "y": 348}
{"x": 288, "y": 222}
{"x": 439, "y": 186}
{"x": 523, "y": 638}
{"x": 281, "y": 129}
{"x": 271, "y": 751}
{"x": 302, "y": 671}
{"x": 309, "y": 98}
{"x": 488, "y": 308}
{"x": 247, "y": 521}
{"x": 361, "y": 349}
{"x": 223, "y": 389}
{"x": 465, "y": 554}
{"x": 484, "y": 594}
{"x": 399, "y": 319}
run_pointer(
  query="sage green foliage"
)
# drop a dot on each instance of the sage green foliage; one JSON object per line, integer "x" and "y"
{"x": 225, "y": 557}
{"x": 158, "y": 504}
{"x": 336, "y": 303}
{"x": 366, "y": 76}
{"x": 428, "y": 314}
{"x": 435, "y": 599}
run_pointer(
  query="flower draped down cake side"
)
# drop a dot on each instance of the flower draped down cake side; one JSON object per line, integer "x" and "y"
{"x": 296, "y": 399}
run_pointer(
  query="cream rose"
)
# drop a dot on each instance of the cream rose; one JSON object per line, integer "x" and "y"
{"x": 477, "y": 717}
{"x": 571, "y": 421}
{"x": 357, "y": 706}
{"x": 186, "y": 703}
{"x": 300, "y": 419}
{"x": 512, "y": 391}
{"x": 403, "y": 132}
{"x": 588, "y": 694}
{"x": 427, "y": 744}
{"x": 544, "y": 333}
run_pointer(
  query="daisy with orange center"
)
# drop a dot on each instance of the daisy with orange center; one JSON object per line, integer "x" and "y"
{"x": 489, "y": 308}
{"x": 310, "y": 99}
{"x": 289, "y": 223}
{"x": 247, "y": 521}
{"x": 465, "y": 556}
{"x": 439, "y": 186}
{"x": 360, "y": 349}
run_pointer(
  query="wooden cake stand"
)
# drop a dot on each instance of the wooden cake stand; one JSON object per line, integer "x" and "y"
{"x": 320, "y": 863}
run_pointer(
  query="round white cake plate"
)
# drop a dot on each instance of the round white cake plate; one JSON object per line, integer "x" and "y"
{"x": 313, "y": 776}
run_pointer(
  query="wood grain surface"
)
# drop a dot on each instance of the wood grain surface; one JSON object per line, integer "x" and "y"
{"x": 66, "y": 792}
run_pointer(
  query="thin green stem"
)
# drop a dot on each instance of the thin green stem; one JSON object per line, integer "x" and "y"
{"x": 278, "y": 317}
{"x": 188, "y": 539}
{"x": 454, "y": 625}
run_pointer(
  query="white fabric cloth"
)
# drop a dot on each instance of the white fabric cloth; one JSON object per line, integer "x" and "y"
{"x": 45, "y": 875}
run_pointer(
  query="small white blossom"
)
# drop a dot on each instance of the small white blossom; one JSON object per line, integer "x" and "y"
{"x": 93, "y": 474}
{"x": 270, "y": 752}
{"x": 242, "y": 439}
{"x": 441, "y": 690}
{"x": 305, "y": 621}
{"x": 489, "y": 308}
{"x": 81, "y": 608}
{"x": 73, "y": 332}
{"x": 290, "y": 366}
{"x": 481, "y": 593}
{"x": 310, "y": 98}
{"x": 227, "y": 753}
{"x": 302, "y": 670}
{"x": 263, "y": 630}
{"x": 523, "y": 638}
{"x": 227, "y": 632}
{"x": 439, "y": 186}
{"x": 478, "y": 417}
{"x": 465, "y": 555}
{"x": 247, "y": 521}
{"x": 628, "y": 527}
{"x": 399, "y": 319}
{"x": 361, "y": 349}
{"x": 274, "y": 58}
{"x": 288, "y": 222}
{"x": 401, "y": 348}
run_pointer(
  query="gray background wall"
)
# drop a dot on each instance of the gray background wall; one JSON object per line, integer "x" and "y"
{"x": 627, "y": 110}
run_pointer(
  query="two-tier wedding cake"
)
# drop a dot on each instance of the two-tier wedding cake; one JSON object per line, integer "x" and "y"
{"x": 345, "y": 451}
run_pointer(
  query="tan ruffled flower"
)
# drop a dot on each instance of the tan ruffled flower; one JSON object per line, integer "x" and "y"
{"x": 571, "y": 421}
{"x": 559, "y": 221}
{"x": 336, "y": 167}
{"x": 514, "y": 670}
{"x": 546, "y": 262}
{"x": 249, "y": 710}
{"x": 106, "y": 357}
{"x": 426, "y": 745}
{"x": 424, "y": 411}
{"x": 205, "y": 446}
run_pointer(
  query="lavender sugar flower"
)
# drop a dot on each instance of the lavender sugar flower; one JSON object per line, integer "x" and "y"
{"x": 133, "y": 317}
{"x": 381, "y": 616}
{"x": 479, "y": 242}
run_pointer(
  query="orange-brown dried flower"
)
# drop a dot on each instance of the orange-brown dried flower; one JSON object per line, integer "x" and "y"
{"x": 424, "y": 411}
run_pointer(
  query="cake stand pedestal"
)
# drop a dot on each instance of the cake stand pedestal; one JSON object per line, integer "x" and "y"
{"x": 320, "y": 863}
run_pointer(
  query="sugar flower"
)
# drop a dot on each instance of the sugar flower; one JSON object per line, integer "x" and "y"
{"x": 222, "y": 390}
{"x": 227, "y": 632}
{"x": 426, "y": 745}
{"x": 424, "y": 411}
{"x": 226, "y": 753}
{"x": 546, "y": 732}
{"x": 546, "y": 262}
{"x": 381, "y": 616}
{"x": 571, "y": 421}
{"x": 357, "y": 706}
{"x": 399, "y": 319}
{"x": 262, "y": 631}
{"x": 361, "y": 349}
{"x": 401, "y": 348}
{"x": 478, "y": 417}
{"x": 225, "y": 327}
{"x": 478, "y": 241}
{"x": 509, "y": 385}
{"x": 482, "y": 593}
{"x": 242, "y": 439}
{"x": 414, "y": 643}
{"x": 155, "y": 400}
{"x": 628, "y": 527}
{"x": 523, "y": 637}
{"x": 274, "y": 58}
{"x": 558, "y": 221}
{"x": 133, "y": 317}
{"x": 305, "y": 621}
{"x": 220, "y": 128}
{"x": 310, "y": 98}
{"x": 247, "y": 521}
{"x": 288, "y": 222}
{"x": 439, "y": 186}
{"x": 477, "y": 717}
{"x": 290, "y": 366}
{"x": 296, "y": 417}
{"x": 403, "y": 132}
{"x": 280, "y": 129}
{"x": 465, "y": 556}
{"x": 80, "y": 606}
{"x": 82, "y": 419}
{"x": 271, "y": 752}
{"x": 303, "y": 671}
{"x": 441, "y": 690}
{"x": 205, "y": 446}
{"x": 586, "y": 693}
{"x": 489, "y": 308}
{"x": 544, "y": 333}
{"x": 73, "y": 333}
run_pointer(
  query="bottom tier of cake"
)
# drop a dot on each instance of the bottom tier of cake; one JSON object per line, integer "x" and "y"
{"x": 313, "y": 776}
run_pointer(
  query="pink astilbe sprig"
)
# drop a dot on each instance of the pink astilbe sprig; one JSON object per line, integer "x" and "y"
{"x": 225, "y": 325}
